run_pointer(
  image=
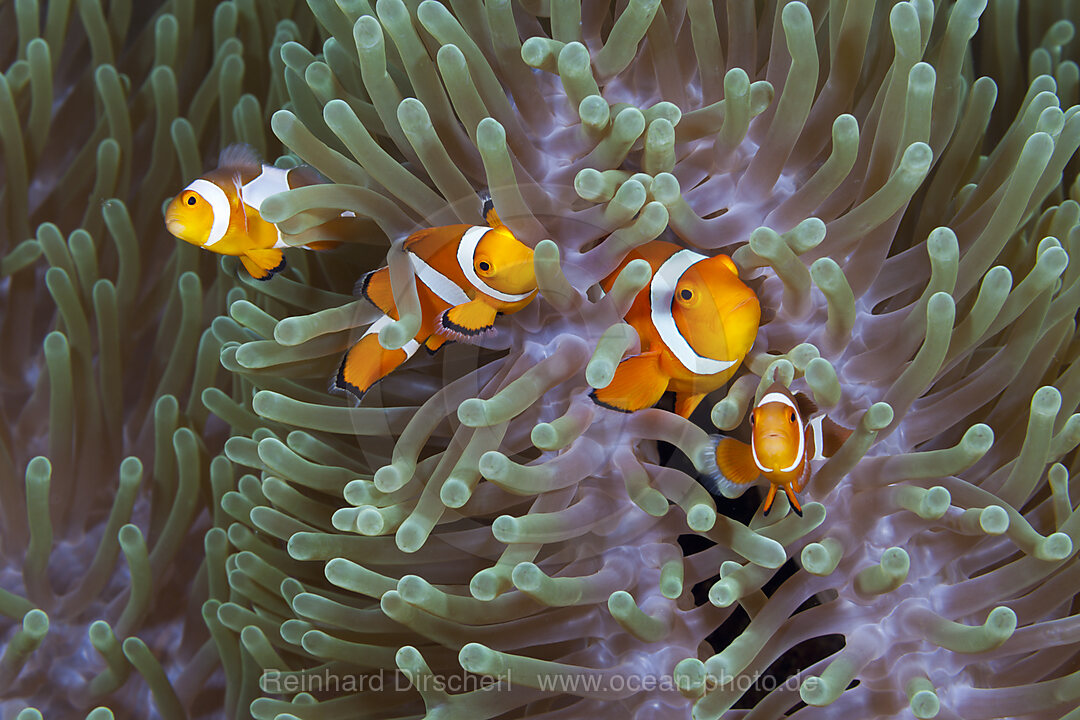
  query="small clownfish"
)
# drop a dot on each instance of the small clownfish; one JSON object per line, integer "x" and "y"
{"x": 696, "y": 321}
{"x": 220, "y": 211}
{"x": 785, "y": 438}
{"x": 465, "y": 276}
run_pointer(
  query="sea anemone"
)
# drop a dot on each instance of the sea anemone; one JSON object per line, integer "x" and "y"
{"x": 106, "y": 445}
{"x": 478, "y": 539}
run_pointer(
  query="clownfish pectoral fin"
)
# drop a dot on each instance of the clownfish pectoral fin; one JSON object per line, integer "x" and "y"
{"x": 790, "y": 492}
{"x": 637, "y": 384}
{"x": 769, "y": 500}
{"x": 434, "y": 342}
{"x": 735, "y": 461}
{"x": 685, "y": 404}
{"x": 833, "y": 436}
{"x": 467, "y": 320}
{"x": 365, "y": 364}
{"x": 375, "y": 288}
{"x": 263, "y": 264}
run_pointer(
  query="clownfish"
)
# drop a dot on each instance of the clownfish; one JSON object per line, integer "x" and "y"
{"x": 785, "y": 437}
{"x": 219, "y": 212}
{"x": 696, "y": 321}
{"x": 465, "y": 276}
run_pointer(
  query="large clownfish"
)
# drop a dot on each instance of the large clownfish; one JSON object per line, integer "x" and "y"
{"x": 696, "y": 321}
{"x": 785, "y": 438}
{"x": 220, "y": 211}
{"x": 465, "y": 276}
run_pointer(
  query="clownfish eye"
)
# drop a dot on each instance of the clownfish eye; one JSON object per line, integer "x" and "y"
{"x": 485, "y": 266}
{"x": 191, "y": 200}
{"x": 687, "y": 294}
{"x": 792, "y": 418}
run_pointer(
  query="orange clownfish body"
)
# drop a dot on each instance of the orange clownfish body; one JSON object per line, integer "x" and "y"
{"x": 696, "y": 321}
{"x": 220, "y": 211}
{"x": 465, "y": 276}
{"x": 784, "y": 440}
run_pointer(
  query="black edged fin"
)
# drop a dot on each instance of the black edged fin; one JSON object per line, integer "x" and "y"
{"x": 261, "y": 273}
{"x": 264, "y": 263}
{"x": 340, "y": 383}
{"x": 434, "y": 342}
{"x": 792, "y": 500}
{"x": 239, "y": 155}
{"x": 638, "y": 383}
{"x": 770, "y": 496}
{"x": 468, "y": 320}
{"x": 807, "y": 407}
{"x": 360, "y": 287}
{"x": 488, "y": 211}
{"x": 375, "y": 288}
{"x": 601, "y": 403}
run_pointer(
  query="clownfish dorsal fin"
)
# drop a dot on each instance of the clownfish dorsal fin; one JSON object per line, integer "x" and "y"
{"x": 426, "y": 242}
{"x": 807, "y": 407}
{"x": 375, "y": 288}
{"x": 488, "y": 211}
{"x": 239, "y": 155}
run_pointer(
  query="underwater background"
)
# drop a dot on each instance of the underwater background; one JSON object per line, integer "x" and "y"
{"x": 191, "y": 526}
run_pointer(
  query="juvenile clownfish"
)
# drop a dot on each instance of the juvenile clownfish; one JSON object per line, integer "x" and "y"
{"x": 785, "y": 438}
{"x": 696, "y": 321}
{"x": 465, "y": 276}
{"x": 220, "y": 211}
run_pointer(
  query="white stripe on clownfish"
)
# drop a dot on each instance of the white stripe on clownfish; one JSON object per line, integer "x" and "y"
{"x": 661, "y": 299}
{"x": 410, "y": 347}
{"x": 753, "y": 451}
{"x": 447, "y": 290}
{"x": 219, "y": 208}
{"x": 819, "y": 437}
{"x": 270, "y": 181}
{"x": 466, "y": 253}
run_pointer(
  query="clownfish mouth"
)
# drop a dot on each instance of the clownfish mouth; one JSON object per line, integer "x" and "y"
{"x": 174, "y": 226}
{"x": 744, "y": 302}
